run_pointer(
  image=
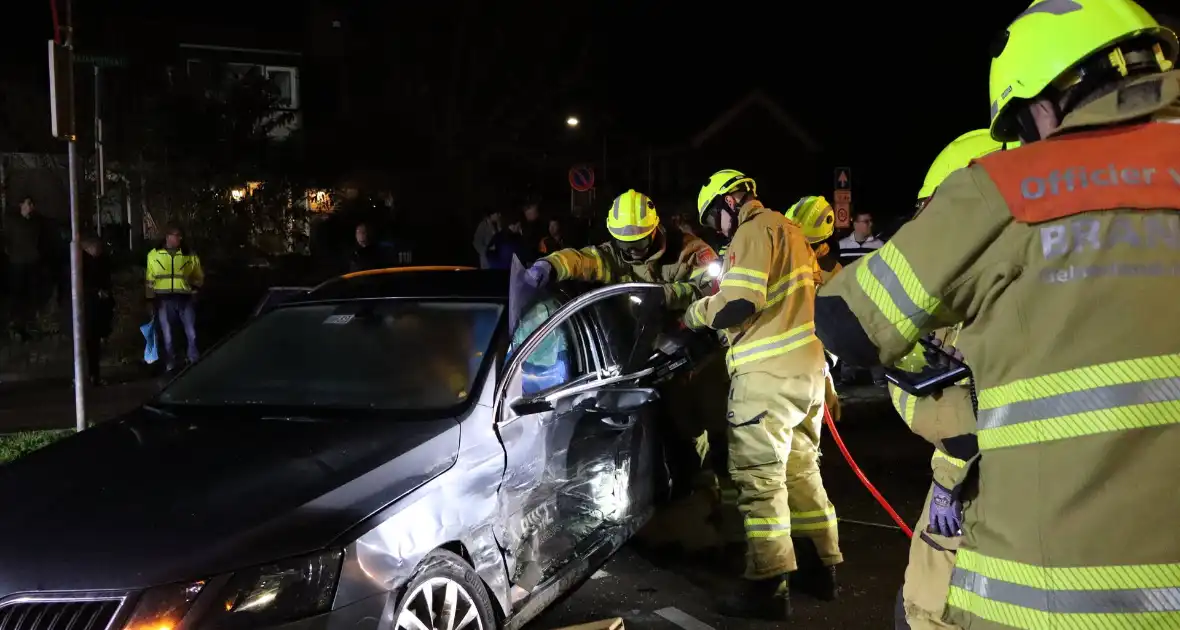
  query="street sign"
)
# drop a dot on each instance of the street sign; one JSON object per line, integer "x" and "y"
{"x": 101, "y": 61}
{"x": 843, "y": 214}
{"x": 61, "y": 91}
{"x": 843, "y": 178}
{"x": 843, "y": 197}
{"x": 582, "y": 178}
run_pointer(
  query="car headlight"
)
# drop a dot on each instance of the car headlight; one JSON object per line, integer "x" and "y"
{"x": 163, "y": 607}
{"x": 279, "y": 592}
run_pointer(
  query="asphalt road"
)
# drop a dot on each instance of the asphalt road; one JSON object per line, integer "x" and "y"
{"x": 660, "y": 591}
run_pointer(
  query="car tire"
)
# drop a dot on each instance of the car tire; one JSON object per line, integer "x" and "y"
{"x": 444, "y": 588}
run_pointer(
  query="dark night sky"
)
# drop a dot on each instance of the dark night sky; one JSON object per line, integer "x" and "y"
{"x": 883, "y": 85}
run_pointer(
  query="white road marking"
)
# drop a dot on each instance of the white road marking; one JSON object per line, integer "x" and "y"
{"x": 683, "y": 619}
{"x": 599, "y": 574}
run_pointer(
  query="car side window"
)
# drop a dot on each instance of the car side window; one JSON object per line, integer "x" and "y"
{"x": 619, "y": 325}
{"x": 557, "y": 360}
{"x": 631, "y": 328}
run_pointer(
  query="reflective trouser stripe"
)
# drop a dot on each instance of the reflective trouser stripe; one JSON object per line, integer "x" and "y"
{"x": 904, "y": 402}
{"x": 1119, "y": 396}
{"x": 788, "y": 284}
{"x": 887, "y": 279}
{"x": 954, "y": 461}
{"x": 1046, "y": 598}
{"x": 772, "y": 527}
{"x": 772, "y": 346}
{"x": 814, "y": 520}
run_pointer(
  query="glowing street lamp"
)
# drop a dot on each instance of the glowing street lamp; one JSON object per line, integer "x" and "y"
{"x": 572, "y": 121}
{"x": 237, "y": 194}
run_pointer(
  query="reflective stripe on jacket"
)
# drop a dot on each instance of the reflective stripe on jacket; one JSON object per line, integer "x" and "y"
{"x": 770, "y": 265}
{"x": 679, "y": 261}
{"x": 173, "y": 273}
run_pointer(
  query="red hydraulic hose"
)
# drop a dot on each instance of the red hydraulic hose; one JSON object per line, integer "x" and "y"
{"x": 863, "y": 479}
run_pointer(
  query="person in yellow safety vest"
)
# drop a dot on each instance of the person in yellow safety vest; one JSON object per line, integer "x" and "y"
{"x": 814, "y": 215}
{"x": 640, "y": 250}
{"x": 173, "y": 276}
{"x": 765, "y": 306}
{"x": 1062, "y": 273}
{"x": 947, "y": 420}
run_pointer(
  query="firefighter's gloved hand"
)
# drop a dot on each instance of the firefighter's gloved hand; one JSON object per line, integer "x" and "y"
{"x": 946, "y": 513}
{"x": 936, "y": 358}
{"x": 539, "y": 275}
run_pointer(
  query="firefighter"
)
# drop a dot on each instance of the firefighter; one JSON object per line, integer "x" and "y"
{"x": 640, "y": 250}
{"x": 947, "y": 420}
{"x": 814, "y": 215}
{"x": 1062, "y": 271}
{"x": 765, "y": 305}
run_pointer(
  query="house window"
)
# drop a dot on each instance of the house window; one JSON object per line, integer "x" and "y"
{"x": 286, "y": 82}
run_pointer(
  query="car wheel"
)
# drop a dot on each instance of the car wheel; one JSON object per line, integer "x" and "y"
{"x": 445, "y": 594}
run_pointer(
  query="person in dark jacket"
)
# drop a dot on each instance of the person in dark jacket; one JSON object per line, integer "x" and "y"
{"x": 506, "y": 244}
{"x": 99, "y": 304}
{"x": 366, "y": 254}
{"x": 25, "y": 242}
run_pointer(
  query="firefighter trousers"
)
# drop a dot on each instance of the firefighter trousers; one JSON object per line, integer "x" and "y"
{"x": 773, "y": 442}
{"x": 928, "y": 575}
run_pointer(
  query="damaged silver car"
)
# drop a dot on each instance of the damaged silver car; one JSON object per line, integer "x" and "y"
{"x": 380, "y": 452}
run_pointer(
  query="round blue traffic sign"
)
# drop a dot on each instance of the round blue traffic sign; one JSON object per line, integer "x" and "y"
{"x": 581, "y": 178}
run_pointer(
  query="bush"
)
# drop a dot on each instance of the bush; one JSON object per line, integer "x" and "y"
{"x": 15, "y": 445}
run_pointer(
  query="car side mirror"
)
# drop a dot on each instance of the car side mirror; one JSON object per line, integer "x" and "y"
{"x": 624, "y": 400}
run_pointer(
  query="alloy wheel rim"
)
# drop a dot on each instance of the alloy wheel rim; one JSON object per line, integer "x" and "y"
{"x": 439, "y": 604}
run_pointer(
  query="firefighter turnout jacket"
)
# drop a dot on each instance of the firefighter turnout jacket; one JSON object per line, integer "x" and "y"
{"x": 679, "y": 261}
{"x": 1064, "y": 270}
{"x": 770, "y": 267}
{"x": 172, "y": 273}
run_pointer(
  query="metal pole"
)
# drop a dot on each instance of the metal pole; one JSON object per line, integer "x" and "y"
{"x": 130, "y": 231}
{"x": 649, "y": 188}
{"x": 604, "y": 159}
{"x": 99, "y": 166}
{"x": 76, "y": 262}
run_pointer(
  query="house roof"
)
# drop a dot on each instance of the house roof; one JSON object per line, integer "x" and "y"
{"x": 758, "y": 98}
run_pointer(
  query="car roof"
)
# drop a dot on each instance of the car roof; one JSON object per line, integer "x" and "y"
{"x": 426, "y": 282}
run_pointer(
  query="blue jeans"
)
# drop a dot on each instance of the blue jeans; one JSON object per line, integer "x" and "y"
{"x": 170, "y": 308}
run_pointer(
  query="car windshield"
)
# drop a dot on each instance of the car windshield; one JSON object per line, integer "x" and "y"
{"x": 370, "y": 354}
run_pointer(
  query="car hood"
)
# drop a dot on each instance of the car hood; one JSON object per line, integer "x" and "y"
{"x": 153, "y": 498}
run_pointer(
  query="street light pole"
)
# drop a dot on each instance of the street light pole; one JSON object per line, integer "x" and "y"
{"x": 75, "y": 252}
{"x": 99, "y": 166}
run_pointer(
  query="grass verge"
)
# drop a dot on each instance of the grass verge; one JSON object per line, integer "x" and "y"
{"x": 14, "y": 445}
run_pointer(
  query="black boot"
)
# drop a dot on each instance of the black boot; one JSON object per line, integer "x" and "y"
{"x": 812, "y": 577}
{"x": 768, "y": 599}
